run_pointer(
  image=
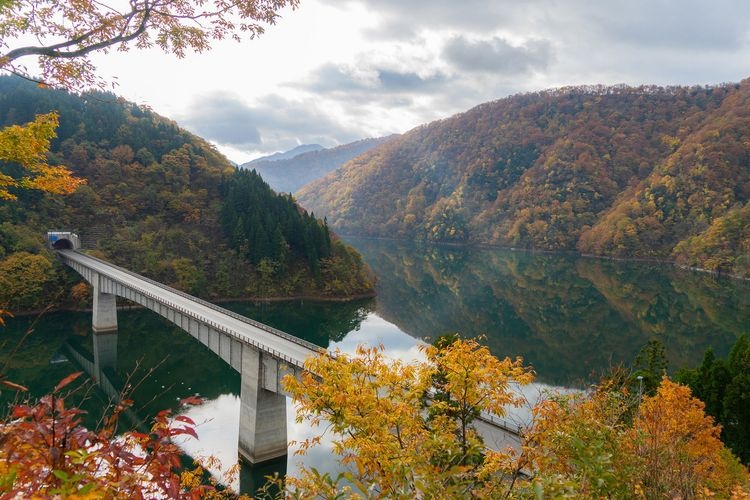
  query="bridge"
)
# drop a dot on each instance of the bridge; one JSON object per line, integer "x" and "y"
{"x": 261, "y": 354}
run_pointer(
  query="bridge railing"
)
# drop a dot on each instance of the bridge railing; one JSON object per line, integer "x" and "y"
{"x": 216, "y": 326}
{"x": 210, "y": 305}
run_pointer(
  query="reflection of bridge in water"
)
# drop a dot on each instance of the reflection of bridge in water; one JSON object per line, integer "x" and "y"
{"x": 261, "y": 354}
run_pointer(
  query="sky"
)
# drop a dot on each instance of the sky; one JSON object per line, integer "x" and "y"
{"x": 335, "y": 71}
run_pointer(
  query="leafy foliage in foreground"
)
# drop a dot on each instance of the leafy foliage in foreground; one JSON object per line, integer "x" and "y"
{"x": 45, "y": 451}
{"x": 27, "y": 146}
{"x": 605, "y": 443}
{"x": 392, "y": 447}
{"x": 632, "y": 172}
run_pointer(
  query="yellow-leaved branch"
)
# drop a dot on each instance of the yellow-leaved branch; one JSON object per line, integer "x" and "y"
{"x": 27, "y": 146}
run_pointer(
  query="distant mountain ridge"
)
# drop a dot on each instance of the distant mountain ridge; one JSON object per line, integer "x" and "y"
{"x": 287, "y": 175}
{"x": 654, "y": 172}
{"x": 284, "y": 155}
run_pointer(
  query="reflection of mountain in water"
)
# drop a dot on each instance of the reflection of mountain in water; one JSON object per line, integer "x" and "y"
{"x": 567, "y": 316}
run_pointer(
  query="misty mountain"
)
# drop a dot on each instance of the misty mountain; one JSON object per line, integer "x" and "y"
{"x": 302, "y": 148}
{"x": 290, "y": 174}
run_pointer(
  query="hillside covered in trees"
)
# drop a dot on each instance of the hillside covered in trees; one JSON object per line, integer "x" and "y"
{"x": 162, "y": 202}
{"x": 646, "y": 172}
{"x": 287, "y": 175}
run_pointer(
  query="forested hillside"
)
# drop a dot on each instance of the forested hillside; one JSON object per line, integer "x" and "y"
{"x": 287, "y": 175}
{"x": 155, "y": 202}
{"x": 630, "y": 172}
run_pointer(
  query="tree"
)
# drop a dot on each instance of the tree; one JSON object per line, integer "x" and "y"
{"x": 724, "y": 386}
{"x": 399, "y": 430}
{"x": 25, "y": 279}
{"x": 390, "y": 445}
{"x": 67, "y": 32}
{"x": 650, "y": 365}
{"x": 28, "y": 145}
{"x": 587, "y": 445}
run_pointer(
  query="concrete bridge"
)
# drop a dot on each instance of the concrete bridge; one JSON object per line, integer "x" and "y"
{"x": 261, "y": 354}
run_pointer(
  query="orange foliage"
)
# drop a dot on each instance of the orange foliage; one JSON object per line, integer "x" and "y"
{"x": 28, "y": 145}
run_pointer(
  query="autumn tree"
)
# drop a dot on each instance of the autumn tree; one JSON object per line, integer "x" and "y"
{"x": 679, "y": 446}
{"x": 27, "y": 146}
{"x": 393, "y": 442}
{"x": 45, "y": 451}
{"x": 67, "y": 32}
{"x": 724, "y": 386}
{"x": 390, "y": 446}
{"x": 588, "y": 445}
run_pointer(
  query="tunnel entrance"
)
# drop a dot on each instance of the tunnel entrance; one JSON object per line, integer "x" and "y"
{"x": 62, "y": 244}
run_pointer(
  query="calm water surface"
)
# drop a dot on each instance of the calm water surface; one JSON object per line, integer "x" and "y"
{"x": 571, "y": 318}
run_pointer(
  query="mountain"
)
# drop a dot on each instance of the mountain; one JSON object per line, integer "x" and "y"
{"x": 290, "y": 174}
{"x": 637, "y": 172}
{"x": 161, "y": 202}
{"x": 302, "y": 148}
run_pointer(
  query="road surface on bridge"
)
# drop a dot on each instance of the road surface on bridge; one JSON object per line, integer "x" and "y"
{"x": 294, "y": 350}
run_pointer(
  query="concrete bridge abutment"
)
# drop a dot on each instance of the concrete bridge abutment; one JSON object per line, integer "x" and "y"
{"x": 262, "y": 414}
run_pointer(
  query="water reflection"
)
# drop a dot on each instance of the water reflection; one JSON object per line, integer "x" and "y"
{"x": 570, "y": 317}
{"x": 567, "y": 316}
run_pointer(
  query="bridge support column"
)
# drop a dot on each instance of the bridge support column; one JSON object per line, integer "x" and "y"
{"x": 105, "y": 310}
{"x": 262, "y": 415}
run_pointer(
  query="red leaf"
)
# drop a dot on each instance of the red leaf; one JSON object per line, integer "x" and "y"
{"x": 183, "y": 418}
{"x": 20, "y": 411}
{"x": 184, "y": 430}
{"x": 191, "y": 400}
{"x": 67, "y": 380}
{"x": 13, "y": 385}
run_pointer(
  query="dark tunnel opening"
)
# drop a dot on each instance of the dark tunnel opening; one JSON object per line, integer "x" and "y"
{"x": 62, "y": 244}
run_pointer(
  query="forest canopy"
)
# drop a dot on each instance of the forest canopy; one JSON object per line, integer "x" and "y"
{"x": 153, "y": 202}
{"x": 645, "y": 172}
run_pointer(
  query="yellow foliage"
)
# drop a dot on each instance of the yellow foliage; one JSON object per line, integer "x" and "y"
{"x": 27, "y": 145}
{"x": 679, "y": 445}
{"x": 393, "y": 433}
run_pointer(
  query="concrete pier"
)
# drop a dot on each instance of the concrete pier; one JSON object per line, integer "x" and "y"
{"x": 262, "y": 415}
{"x": 105, "y": 310}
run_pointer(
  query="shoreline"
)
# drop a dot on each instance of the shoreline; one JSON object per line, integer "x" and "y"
{"x": 572, "y": 253}
{"x": 257, "y": 300}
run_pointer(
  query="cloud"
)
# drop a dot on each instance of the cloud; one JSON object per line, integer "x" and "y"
{"x": 402, "y": 19}
{"x": 496, "y": 55}
{"x": 340, "y": 79}
{"x": 225, "y": 119}
{"x": 273, "y": 123}
{"x": 688, "y": 26}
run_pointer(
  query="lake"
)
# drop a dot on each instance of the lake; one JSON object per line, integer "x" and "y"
{"x": 571, "y": 318}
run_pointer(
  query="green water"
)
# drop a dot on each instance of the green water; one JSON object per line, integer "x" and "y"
{"x": 571, "y": 318}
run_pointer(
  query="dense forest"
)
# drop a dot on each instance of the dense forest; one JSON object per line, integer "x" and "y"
{"x": 646, "y": 172}
{"x": 287, "y": 175}
{"x": 157, "y": 200}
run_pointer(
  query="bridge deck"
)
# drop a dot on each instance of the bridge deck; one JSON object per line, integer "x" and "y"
{"x": 273, "y": 341}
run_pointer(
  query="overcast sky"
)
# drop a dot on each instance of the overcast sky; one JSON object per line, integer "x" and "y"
{"x": 334, "y": 71}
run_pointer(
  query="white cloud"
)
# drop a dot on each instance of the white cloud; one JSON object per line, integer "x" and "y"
{"x": 333, "y": 71}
